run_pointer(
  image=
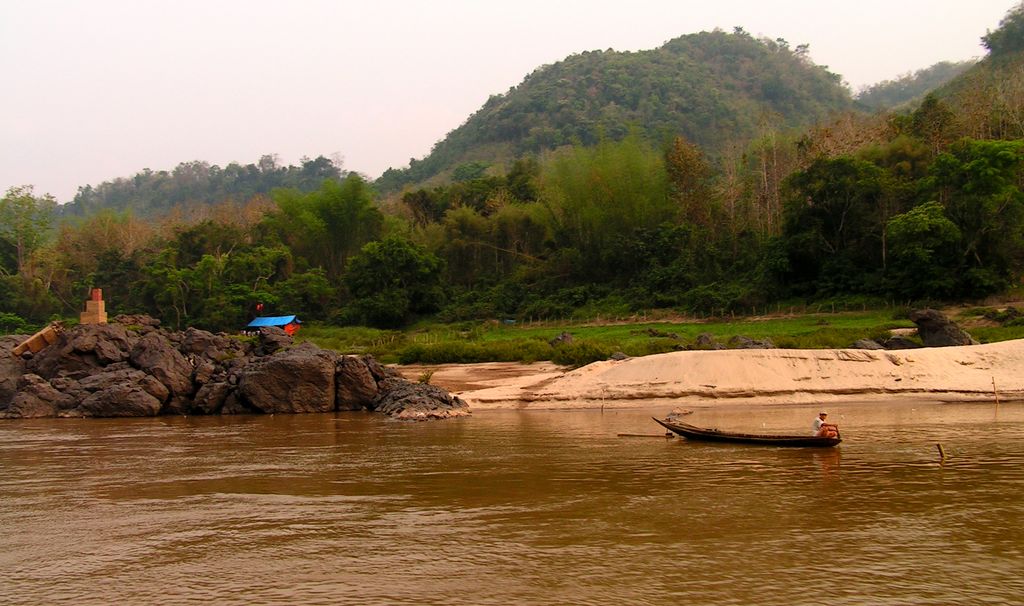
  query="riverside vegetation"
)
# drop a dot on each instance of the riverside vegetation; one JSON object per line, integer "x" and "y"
{"x": 471, "y": 342}
{"x": 601, "y": 187}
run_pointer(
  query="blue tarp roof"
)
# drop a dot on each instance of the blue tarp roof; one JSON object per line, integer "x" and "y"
{"x": 273, "y": 321}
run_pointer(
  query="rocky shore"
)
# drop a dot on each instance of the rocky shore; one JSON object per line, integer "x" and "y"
{"x": 133, "y": 368}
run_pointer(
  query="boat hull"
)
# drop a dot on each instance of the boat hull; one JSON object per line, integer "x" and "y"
{"x": 692, "y": 432}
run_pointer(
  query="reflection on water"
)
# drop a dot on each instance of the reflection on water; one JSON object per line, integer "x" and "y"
{"x": 515, "y": 507}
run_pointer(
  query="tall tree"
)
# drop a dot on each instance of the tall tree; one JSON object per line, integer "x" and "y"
{"x": 328, "y": 226}
{"x": 832, "y": 224}
{"x": 25, "y": 222}
{"x": 392, "y": 281}
{"x": 979, "y": 185}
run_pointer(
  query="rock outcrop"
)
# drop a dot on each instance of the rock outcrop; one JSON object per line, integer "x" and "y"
{"x": 134, "y": 368}
{"x": 404, "y": 399}
{"x": 936, "y": 330}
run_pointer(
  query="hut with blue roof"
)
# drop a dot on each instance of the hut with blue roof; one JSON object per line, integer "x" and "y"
{"x": 290, "y": 324}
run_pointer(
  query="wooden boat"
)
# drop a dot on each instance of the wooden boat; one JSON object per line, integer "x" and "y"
{"x": 692, "y": 432}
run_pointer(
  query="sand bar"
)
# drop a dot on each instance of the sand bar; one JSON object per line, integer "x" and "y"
{"x": 748, "y": 376}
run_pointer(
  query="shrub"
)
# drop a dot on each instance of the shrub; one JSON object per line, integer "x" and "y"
{"x": 12, "y": 324}
{"x": 580, "y": 353}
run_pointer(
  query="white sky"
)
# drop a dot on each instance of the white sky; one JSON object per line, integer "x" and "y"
{"x": 98, "y": 89}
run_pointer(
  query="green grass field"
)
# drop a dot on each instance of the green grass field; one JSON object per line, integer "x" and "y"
{"x": 496, "y": 342}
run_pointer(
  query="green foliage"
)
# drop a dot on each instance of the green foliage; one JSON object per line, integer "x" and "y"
{"x": 27, "y": 297}
{"x": 1009, "y": 36}
{"x": 922, "y": 257}
{"x": 832, "y": 224}
{"x": 979, "y": 184}
{"x": 12, "y": 324}
{"x": 468, "y": 171}
{"x": 464, "y": 352}
{"x": 579, "y": 353}
{"x": 393, "y": 281}
{"x": 599, "y": 194}
{"x": 308, "y": 294}
{"x": 715, "y": 298}
{"x": 153, "y": 193}
{"x": 713, "y": 88}
{"x": 327, "y": 226}
{"x": 25, "y": 222}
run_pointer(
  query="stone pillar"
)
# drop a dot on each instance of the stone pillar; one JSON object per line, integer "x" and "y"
{"x": 95, "y": 309}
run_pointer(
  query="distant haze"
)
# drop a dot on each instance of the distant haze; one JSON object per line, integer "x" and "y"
{"x": 103, "y": 89}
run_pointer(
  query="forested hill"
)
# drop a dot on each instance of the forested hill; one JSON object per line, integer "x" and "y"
{"x": 715, "y": 88}
{"x": 153, "y": 193}
{"x": 989, "y": 96}
{"x": 910, "y": 87}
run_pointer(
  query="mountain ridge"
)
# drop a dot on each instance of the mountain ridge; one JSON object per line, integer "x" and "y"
{"x": 714, "y": 88}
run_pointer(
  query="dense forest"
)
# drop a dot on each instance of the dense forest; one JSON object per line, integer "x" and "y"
{"x": 717, "y": 90}
{"x": 925, "y": 205}
{"x": 197, "y": 184}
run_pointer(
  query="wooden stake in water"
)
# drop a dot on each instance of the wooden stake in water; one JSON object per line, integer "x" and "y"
{"x": 942, "y": 452}
{"x": 995, "y": 391}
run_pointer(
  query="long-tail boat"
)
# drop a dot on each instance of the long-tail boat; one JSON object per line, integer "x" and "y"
{"x": 692, "y": 432}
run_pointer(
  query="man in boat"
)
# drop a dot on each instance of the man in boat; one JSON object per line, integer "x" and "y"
{"x": 824, "y": 429}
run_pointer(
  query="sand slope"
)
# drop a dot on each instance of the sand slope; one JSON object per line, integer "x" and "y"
{"x": 768, "y": 376}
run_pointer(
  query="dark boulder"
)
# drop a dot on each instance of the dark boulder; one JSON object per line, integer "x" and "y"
{"x": 157, "y": 357}
{"x": 84, "y": 349}
{"x": 210, "y": 398}
{"x": 300, "y": 379}
{"x": 706, "y": 340}
{"x": 119, "y": 392}
{"x": 936, "y": 330}
{"x": 408, "y": 401}
{"x": 356, "y": 384}
{"x": 273, "y": 339}
{"x": 867, "y": 344}
{"x": 898, "y": 342}
{"x": 217, "y": 348}
{"x": 11, "y": 368}
{"x": 35, "y": 398}
{"x": 378, "y": 370}
{"x": 741, "y": 342}
{"x": 119, "y": 400}
{"x": 112, "y": 371}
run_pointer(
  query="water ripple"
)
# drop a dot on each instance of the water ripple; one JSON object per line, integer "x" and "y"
{"x": 539, "y": 508}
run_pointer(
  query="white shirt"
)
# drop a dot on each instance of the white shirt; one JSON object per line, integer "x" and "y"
{"x": 818, "y": 423}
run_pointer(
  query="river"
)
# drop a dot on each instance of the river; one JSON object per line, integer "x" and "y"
{"x": 515, "y": 507}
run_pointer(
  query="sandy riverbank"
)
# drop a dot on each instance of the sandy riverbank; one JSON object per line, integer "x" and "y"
{"x": 750, "y": 376}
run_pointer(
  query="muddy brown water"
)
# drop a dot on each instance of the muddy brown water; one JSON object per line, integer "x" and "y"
{"x": 509, "y": 507}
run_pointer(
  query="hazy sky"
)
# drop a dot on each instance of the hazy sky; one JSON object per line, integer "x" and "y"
{"x": 98, "y": 89}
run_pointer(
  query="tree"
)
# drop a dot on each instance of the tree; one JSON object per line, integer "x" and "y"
{"x": 832, "y": 225}
{"x": 979, "y": 186}
{"x": 597, "y": 195}
{"x": 922, "y": 253}
{"x": 308, "y": 294}
{"x": 934, "y": 123}
{"x": 469, "y": 171}
{"x": 393, "y": 280}
{"x": 1009, "y": 36}
{"x": 689, "y": 179}
{"x": 25, "y": 222}
{"x": 329, "y": 225}
{"x": 425, "y": 205}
